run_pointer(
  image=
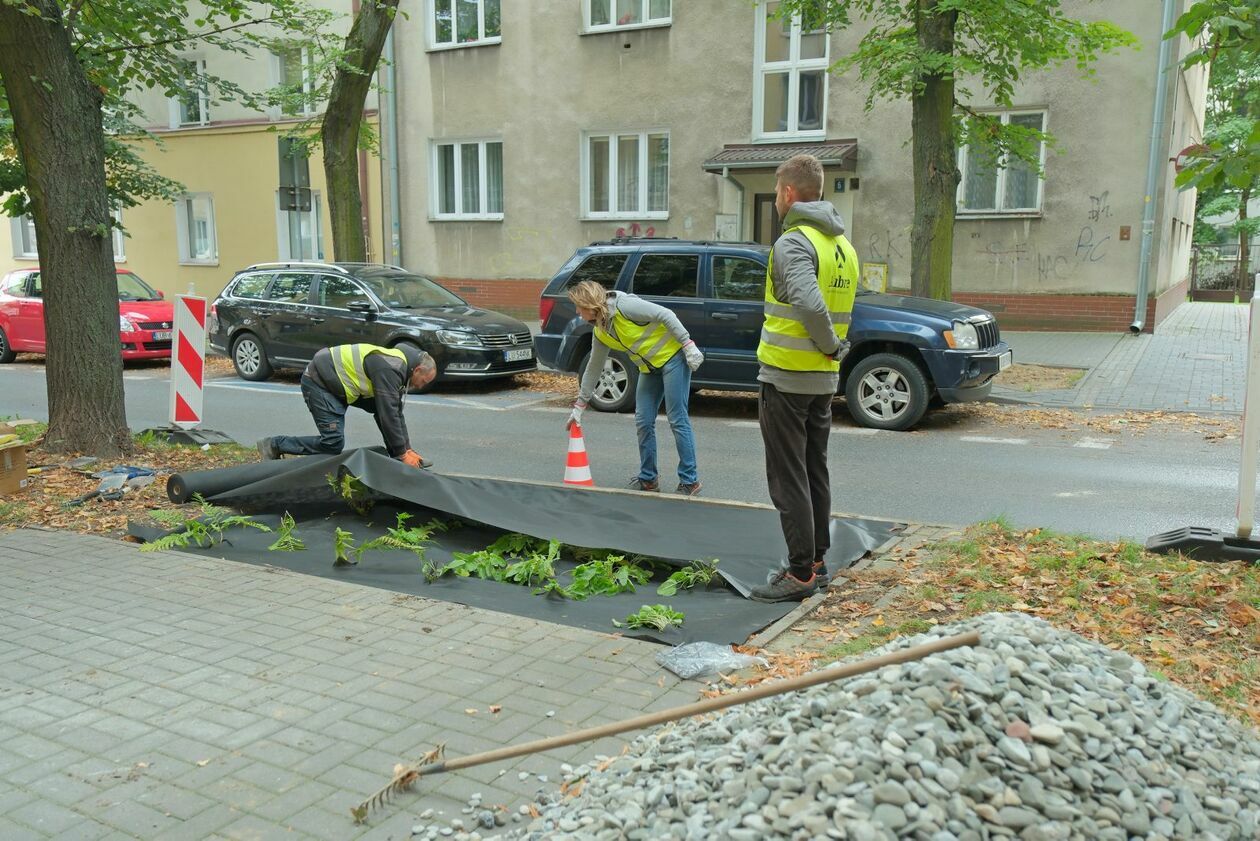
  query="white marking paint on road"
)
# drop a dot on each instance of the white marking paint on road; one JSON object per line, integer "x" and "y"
{"x": 854, "y": 430}
{"x": 525, "y": 403}
{"x": 745, "y": 424}
{"x": 462, "y": 402}
{"x": 1071, "y": 494}
{"x": 1093, "y": 444}
{"x": 259, "y": 387}
{"x": 558, "y": 409}
{"x": 984, "y": 439}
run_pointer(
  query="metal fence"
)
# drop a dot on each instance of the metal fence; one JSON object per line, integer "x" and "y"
{"x": 1214, "y": 273}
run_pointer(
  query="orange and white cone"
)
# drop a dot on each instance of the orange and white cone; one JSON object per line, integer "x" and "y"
{"x": 577, "y": 470}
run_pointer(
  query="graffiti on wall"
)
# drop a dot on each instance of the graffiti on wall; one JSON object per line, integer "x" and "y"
{"x": 1088, "y": 248}
{"x": 635, "y": 231}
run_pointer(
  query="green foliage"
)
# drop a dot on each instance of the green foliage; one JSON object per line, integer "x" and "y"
{"x": 606, "y": 577}
{"x": 204, "y": 530}
{"x": 288, "y": 541}
{"x": 656, "y": 616}
{"x": 698, "y": 573}
{"x": 536, "y": 569}
{"x": 343, "y": 545}
{"x": 353, "y": 492}
{"x": 399, "y": 537}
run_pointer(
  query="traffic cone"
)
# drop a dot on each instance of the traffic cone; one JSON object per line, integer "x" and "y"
{"x": 577, "y": 470}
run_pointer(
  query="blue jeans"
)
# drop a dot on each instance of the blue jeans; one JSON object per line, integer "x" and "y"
{"x": 329, "y": 414}
{"x": 672, "y": 383}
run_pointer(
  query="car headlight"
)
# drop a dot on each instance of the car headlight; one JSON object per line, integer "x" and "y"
{"x": 458, "y": 338}
{"x": 124, "y": 325}
{"x": 963, "y": 336}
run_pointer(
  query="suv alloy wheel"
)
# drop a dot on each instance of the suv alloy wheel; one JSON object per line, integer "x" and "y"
{"x": 615, "y": 390}
{"x": 887, "y": 391}
{"x": 249, "y": 358}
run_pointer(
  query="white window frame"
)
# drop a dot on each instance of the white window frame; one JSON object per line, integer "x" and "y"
{"x": 23, "y": 229}
{"x": 483, "y": 185}
{"x": 309, "y": 108}
{"x": 203, "y": 100}
{"x": 612, "y": 213}
{"x": 1000, "y": 187}
{"x": 794, "y": 66}
{"x": 645, "y": 10}
{"x": 181, "y": 231}
{"x": 285, "y": 217}
{"x": 430, "y": 7}
{"x": 117, "y": 237}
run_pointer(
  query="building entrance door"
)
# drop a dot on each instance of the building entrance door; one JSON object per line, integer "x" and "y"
{"x": 766, "y": 226}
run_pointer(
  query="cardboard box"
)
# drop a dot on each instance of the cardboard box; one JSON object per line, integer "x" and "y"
{"x": 12, "y": 469}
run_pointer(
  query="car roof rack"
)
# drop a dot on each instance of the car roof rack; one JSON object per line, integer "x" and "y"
{"x": 301, "y": 264}
{"x": 628, "y": 240}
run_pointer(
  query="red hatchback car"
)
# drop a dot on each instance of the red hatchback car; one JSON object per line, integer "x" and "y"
{"x": 144, "y": 318}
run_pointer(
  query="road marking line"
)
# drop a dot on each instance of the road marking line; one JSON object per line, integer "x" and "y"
{"x": 462, "y": 401}
{"x": 854, "y": 430}
{"x": 1093, "y": 444}
{"x": 549, "y": 409}
{"x": 752, "y": 424}
{"x": 263, "y": 388}
{"x": 1070, "y": 494}
{"x": 982, "y": 439}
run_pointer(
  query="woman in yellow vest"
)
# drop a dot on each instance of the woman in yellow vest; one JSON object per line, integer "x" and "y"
{"x": 660, "y": 347}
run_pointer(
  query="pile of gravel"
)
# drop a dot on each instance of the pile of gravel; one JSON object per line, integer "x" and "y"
{"x": 1038, "y": 735}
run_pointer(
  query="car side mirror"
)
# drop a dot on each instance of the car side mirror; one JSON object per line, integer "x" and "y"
{"x": 361, "y": 307}
{"x": 161, "y": 294}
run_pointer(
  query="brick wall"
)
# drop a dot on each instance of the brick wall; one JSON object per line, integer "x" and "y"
{"x": 516, "y": 297}
{"x": 1103, "y": 313}
{"x": 1170, "y": 299}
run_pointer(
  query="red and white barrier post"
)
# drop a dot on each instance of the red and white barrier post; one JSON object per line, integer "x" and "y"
{"x": 188, "y": 361}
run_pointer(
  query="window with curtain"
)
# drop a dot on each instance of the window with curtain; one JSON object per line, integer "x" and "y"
{"x": 608, "y": 15}
{"x": 192, "y": 107}
{"x": 992, "y": 184}
{"x": 464, "y": 23}
{"x": 626, "y": 175}
{"x": 195, "y": 231}
{"x": 790, "y": 99}
{"x": 468, "y": 180}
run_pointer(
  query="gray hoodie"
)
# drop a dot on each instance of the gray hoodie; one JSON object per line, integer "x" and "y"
{"x": 794, "y": 275}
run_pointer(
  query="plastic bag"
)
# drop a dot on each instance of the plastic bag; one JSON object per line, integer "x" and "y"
{"x": 698, "y": 659}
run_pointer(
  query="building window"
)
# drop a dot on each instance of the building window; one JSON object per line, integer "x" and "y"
{"x": 294, "y": 78}
{"x": 192, "y": 107}
{"x": 463, "y": 23}
{"x": 992, "y": 184}
{"x": 24, "y": 245}
{"x": 300, "y": 230}
{"x": 468, "y": 179}
{"x": 117, "y": 236}
{"x": 607, "y": 15}
{"x": 194, "y": 221}
{"x": 625, "y": 176}
{"x": 790, "y": 97}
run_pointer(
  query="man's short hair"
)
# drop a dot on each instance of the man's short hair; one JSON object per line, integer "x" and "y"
{"x": 805, "y": 173}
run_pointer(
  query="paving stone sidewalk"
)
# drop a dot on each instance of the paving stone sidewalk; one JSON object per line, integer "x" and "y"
{"x": 169, "y": 696}
{"x": 1194, "y": 362}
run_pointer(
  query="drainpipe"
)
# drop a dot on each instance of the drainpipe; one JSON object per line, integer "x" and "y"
{"x": 726, "y": 173}
{"x": 1154, "y": 165}
{"x": 393, "y": 187}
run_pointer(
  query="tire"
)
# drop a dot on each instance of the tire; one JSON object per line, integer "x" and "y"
{"x": 429, "y": 387}
{"x": 249, "y": 357}
{"x": 887, "y": 391}
{"x": 7, "y": 354}
{"x": 615, "y": 390}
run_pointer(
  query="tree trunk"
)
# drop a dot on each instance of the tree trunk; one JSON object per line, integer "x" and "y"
{"x": 935, "y": 162}
{"x": 342, "y": 120}
{"x": 57, "y": 127}
{"x": 1244, "y": 244}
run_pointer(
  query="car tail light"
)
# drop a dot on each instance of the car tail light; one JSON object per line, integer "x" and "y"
{"x": 545, "y": 306}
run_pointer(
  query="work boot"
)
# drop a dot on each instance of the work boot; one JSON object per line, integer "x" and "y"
{"x": 637, "y": 484}
{"x": 822, "y": 575}
{"x": 783, "y": 586}
{"x": 688, "y": 490}
{"x": 267, "y": 449}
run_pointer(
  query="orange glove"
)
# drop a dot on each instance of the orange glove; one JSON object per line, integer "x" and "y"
{"x": 411, "y": 458}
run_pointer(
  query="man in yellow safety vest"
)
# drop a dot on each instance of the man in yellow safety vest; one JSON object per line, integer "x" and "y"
{"x": 375, "y": 379}
{"x": 810, "y": 283}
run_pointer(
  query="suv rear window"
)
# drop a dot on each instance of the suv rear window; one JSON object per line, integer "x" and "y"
{"x": 666, "y": 275}
{"x": 251, "y": 286}
{"x": 604, "y": 269}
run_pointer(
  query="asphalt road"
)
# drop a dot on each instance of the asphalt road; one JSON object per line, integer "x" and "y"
{"x": 955, "y": 470}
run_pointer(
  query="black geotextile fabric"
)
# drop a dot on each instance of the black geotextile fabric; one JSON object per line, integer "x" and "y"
{"x": 746, "y": 540}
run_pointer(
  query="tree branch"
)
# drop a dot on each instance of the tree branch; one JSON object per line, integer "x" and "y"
{"x": 191, "y": 37}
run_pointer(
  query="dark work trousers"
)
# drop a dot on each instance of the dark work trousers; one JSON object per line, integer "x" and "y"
{"x": 795, "y": 429}
{"x": 329, "y": 414}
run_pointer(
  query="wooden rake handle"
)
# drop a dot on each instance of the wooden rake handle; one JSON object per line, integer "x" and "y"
{"x": 765, "y": 690}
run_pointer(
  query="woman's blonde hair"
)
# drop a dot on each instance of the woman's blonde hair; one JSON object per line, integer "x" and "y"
{"x": 591, "y": 295}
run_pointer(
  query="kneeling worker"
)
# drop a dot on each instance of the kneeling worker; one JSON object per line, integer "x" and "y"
{"x": 373, "y": 378}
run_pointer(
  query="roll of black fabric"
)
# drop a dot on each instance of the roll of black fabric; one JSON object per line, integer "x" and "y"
{"x": 181, "y": 487}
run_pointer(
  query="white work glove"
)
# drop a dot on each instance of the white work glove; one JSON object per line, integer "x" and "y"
{"x": 694, "y": 357}
{"x": 575, "y": 417}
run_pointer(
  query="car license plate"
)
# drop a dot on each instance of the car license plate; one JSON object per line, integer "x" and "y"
{"x": 1004, "y": 361}
{"x": 518, "y": 354}
{"x": 162, "y": 336}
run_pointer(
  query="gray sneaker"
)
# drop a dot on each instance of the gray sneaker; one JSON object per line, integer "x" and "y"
{"x": 783, "y": 586}
{"x": 637, "y": 484}
{"x": 267, "y": 449}
{"x": 821, "y": 575}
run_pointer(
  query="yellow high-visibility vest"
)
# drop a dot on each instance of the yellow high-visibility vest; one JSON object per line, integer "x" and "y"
{"x": 348, "y": 362}
{"x": 648, "y": 349}
{"x": 785, "y": 343}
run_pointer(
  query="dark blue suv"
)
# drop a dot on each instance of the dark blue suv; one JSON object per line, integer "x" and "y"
{"x": 906, "y": 352}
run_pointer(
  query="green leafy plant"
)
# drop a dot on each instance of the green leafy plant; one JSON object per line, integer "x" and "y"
{"x": 514, "y": 544}
{"x": 485, "y": 564}
{"x": 535, "y": 570}
{"x": 343, "y": 545}
{"x": 415, "y": 539}
{"x": 606, "y": 577}
{"x": 697, "y": 573}
{"x": 355, "y": 494}
{"x": 204, "y": 530}
{"x": 656, "y": 616}
{"x": 288, "y": 541}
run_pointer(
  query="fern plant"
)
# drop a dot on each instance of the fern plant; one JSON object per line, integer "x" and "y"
{"x": 353, "y": 492}
{"x": 204, "y": 531}
{"x": 343, "y": 545}
{"x": 287, "y": 541}
{"x": 698, "y": 573}
{"x": 398, "y": 536}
